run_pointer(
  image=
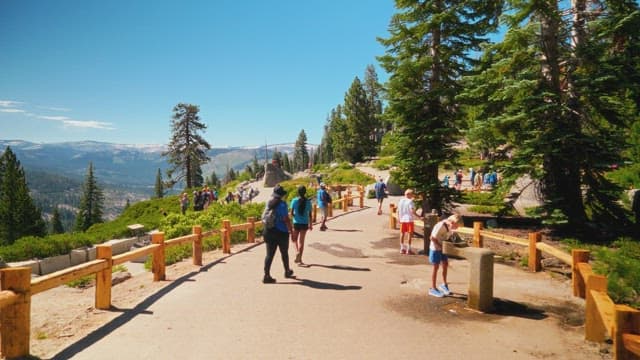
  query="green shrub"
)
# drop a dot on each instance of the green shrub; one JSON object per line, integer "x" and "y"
{"x": 621, "y": 265}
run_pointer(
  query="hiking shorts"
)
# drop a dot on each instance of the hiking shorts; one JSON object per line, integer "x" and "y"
{"x": 437, "y": 257}
{"x": 406, "y": 227}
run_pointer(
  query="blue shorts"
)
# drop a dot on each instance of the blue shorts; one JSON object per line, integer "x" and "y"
{"x": 436, "y": 257}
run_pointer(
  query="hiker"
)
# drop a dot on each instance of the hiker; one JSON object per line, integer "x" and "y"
{"x": 184, "y": 203}
{"x": 442, "y": 231}
{"x": 406, "y": 214}
{"x": 278, "y": 236}
{"x": 301, "y": 213}
{"x": 381, "y": 193}
{"x": 324, "y": 201}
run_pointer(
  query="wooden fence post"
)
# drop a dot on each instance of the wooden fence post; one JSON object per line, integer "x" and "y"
{"x": 345, "y": 203}
{"x": 103, "y": 278}
{"x": 535, "y": 255}
{"x": 478, "y": 240}
{"x": 626, "y": 321}
{"x": 361, "y": 189}
{"x": 594, "y": 328}
{"x": 392, "y": 217}
{"x": 330, "y": 208}
{"x": 578, "y": 256}
{"x": 226, "y": 240}
{"x": 197, "y": 245}
{"x": 251, "y": 231}
{"x": 15, "y": 319}
{"x": 158, "y": 267}
{"x": 315, "y": 212}
{"x": 350, "y": 199}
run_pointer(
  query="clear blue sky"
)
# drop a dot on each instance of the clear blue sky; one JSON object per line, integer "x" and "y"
{"x": 111, "y": 71}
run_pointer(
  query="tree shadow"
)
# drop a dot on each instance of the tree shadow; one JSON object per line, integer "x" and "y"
{"x": 140, "y": 309}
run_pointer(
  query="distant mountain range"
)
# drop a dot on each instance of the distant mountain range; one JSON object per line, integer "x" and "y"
{"x": 55, "y": 171}
{"x": 125, "y": 165}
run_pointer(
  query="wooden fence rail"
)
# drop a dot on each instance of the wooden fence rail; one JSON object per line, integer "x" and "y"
{"x": 17, "y": 285}
{"x": 603, "y": 318}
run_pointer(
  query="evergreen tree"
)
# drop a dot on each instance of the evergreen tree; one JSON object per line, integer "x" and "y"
{"x": 213, "y": 180}
{"x": 561, "y": 90}
{"x": 126, "y": 205}
{"x": 56, "y": 223}
{"x": 187, "y": 148}
{"x": 300, "y": 152}
{"x": 373, "y": 89}
{"x": 286, "y": 164}
{"x": 255, "y": 165}
{"x": 91, "y": 203}
{"x": 428, "y": 50}
{"x": 159, "y": 189}
{"x": 359, "y": 122}
{"x": 338, "y": 137}
{"x": 19, "y": 216}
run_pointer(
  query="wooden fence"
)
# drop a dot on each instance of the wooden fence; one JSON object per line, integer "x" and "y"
{"x": 603, "y": 318}
{"x": 17, "y": 287}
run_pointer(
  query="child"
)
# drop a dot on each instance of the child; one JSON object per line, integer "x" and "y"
{"x": 301, "y": 214}
{"x": 442, "y": 231}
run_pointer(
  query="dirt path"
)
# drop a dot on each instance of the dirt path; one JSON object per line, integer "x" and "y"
{"x": 357, "y": 298}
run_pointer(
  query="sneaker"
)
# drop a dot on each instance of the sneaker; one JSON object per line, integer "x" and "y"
{"x": 298, "y": 259}
{"x": 288, "y": 274}
{"x": 410, "y": 252}
{"x": 436, "y": 293}
{"x": 268, "y": 280}
{"x": 403, "y": 251}
{"x": 444, "y": 289}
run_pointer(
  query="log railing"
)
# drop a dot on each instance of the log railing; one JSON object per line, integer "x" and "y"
{"x": 18, "y": 287}
{"x": 603, "y": 318}
{"x": 344, "y": 202}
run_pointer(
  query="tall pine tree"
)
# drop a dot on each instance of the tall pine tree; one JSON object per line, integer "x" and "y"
{"x": 19, "y": 215}
{"x": 159, "y": 188}
{"x": 359, "y": 123}
{"x": 91, "y": 206}
{"x": 187, "y": 148}
{"x": 56, "y": 223}
{"x": 300, "y": 152}
{"x": 428, "y": 50}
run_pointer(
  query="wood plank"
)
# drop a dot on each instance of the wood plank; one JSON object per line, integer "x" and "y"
{"x": 180, "y": 240}
{"x": 134, "y": 254}
{"x": 61, "y": 277}
{"x": 7, "y": 297}
{"x": 632, "y": 343}
{"x": 549, "y": 249}
{"x": 213, "y": 232}
{"x": 606, "y": 309}
{"x": 239, "y": 227}
{"x": 502, "y": 237}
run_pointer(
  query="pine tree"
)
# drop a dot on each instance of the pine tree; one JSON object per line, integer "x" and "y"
{"x": 359, "y": 122}
{"x": 159, "y": 188}
{"x": 286, "y": 164}
{"x": 56, "y": 223}
{"x": 91, "y": 203}
{"x": 213, "y": 180}
{"x": 373, "y": 89}
{"x": 300, "y": 152}
{"x": 428, "y": 50}
{"x": 187, "y": 148}
{"x": 19, "y": 216}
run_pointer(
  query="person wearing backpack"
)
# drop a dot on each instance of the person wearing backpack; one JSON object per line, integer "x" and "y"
{"x": 277, "y": 237}
{"x": 324, "y": 201}
{"x": 381, "y": 192}
{"x": 301, "y": 213}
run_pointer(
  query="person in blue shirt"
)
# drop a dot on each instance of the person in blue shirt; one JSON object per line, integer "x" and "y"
{"x": 278, "y": 236}
{"x": 324, "y": 201}
{"x": 301, "y": 213}
{"x": 381, "y": 192}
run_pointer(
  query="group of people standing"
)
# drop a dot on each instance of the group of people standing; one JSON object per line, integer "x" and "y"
{"x": 477, "y": 180}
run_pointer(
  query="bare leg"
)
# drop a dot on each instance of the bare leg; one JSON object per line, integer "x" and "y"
{"x": 300, "y": 245}
{"x": 434, "y": 275}
{"x": 445, "y": 265}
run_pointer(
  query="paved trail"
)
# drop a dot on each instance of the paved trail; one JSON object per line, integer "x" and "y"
{"x": 357, "y": 299}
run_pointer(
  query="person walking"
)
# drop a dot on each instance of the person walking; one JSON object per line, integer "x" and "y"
{"x": 406, "y": 214}
{"x": 278, "y": 236}
{"x": 184, "y": 203}
{"x": 324, "y": 201}
{"x": 442, "y": 231}
{"x": 301, "y": 213}
{"x": 381, "y": 193}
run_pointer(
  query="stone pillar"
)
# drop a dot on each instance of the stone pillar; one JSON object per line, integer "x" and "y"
{"x": 480, "y": 293}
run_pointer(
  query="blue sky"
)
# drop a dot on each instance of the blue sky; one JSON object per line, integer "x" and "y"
{"x": 112, "y": 71}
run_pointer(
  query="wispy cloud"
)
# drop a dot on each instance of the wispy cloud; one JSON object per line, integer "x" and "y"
{"x": 85, "y": 124}
{"x": 10, "y": 103}
{"x": 12, "y": 110}
{"x": 54, "y": 108}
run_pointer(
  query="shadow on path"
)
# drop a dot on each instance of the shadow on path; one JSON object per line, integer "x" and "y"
{"x": 140, "y": 309}
{"x": 321, "y": 285}
{"x": 336, "y": 267}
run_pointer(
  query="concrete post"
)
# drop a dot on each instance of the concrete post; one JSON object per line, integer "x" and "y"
{"x": 480, "y": 293}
